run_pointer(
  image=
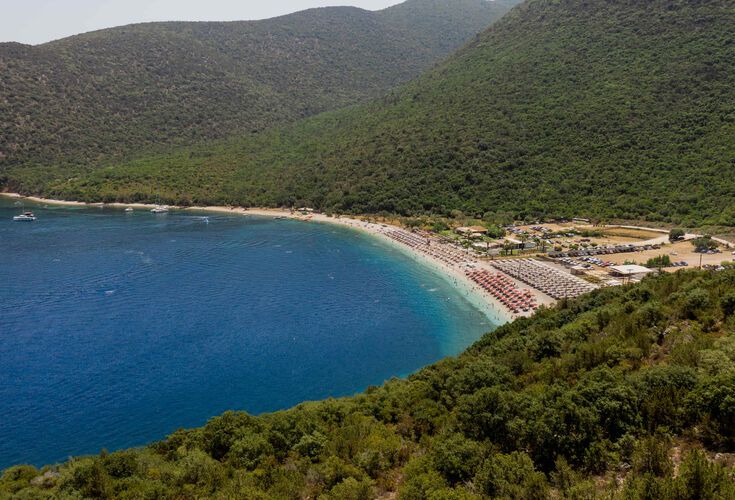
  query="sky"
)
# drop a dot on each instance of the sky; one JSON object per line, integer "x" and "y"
{"x": 39, "y": 21}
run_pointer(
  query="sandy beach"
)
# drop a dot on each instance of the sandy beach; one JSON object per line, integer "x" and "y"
{"x": 489, "y": 305}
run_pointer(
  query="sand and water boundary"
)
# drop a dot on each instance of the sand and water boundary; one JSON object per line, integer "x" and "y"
{"x": 481, "y": 300}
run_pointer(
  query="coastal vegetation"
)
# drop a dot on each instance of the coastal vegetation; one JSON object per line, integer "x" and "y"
{"x": 614, "y": 110}
{"x": 622, "y": 393}
{"x": 120, "y": 92}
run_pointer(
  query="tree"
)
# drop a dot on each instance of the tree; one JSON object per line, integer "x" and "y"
{"x": 660, "y": 261}
{"x": 311, "y": 445}
{"x": 711, "y": 404}
{"x": 524, "y": 239}
{"x": 457, "y": 457}
{"x": 511, "y": 476}
{"x": 494, "y": 231}
{"x": 508, "y": 248}
{"x": 350, "y": 489}
{"x": 727, "y": 304}
{"x": 651, "y": 456}
{"x": 704, "y": 244}
{"x": 247, "y": 451}
{"x": 699, "y": 478}
{"x": 676, "y": 234}
{"x": 439, "y": 225}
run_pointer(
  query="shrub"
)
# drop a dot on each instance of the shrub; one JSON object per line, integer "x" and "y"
{"x": 201, "y": 470}
{"x": 651, "y": 456}
{"x": 712, "y": 404}
{"x": 660, "y": 261}
{"x": 511, "y": 476}
{"x": 248, "y": 451}
{"x": 420, "y": 486}
{"x": 704, "y": 243}
{"x": 16, "y": 478}
{"x": 121, "y": 464}
{"x": 727, "y": 304}
{"x": 694, "y": 301}
{"x": 311, "y": 445}
{"x": 456, "y": 457}
{"x": 350, "y": 489}
{"x": 701, "y": 479}
{"x": 676, "y": 234}
{"x": 90, "y": 479}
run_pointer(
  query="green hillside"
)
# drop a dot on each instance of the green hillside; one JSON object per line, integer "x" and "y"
{"x": 625, "y": 393}
{"x": 567, "y": 107}
{"x": 150, "y": 86}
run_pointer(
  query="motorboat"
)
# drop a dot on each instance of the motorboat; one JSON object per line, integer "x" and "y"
{"x": 129, "y": 209}
{"x": 159, "y": 210}
{"x": 25, "y": 216}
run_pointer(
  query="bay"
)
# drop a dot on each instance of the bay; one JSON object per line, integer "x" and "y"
{"x": 116, "y": 329}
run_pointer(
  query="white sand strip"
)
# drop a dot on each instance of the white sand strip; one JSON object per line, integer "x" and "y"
{"x": 482, "y": 300}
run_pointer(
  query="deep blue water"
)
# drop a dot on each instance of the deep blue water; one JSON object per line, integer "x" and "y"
{"x": 117, "y": 329}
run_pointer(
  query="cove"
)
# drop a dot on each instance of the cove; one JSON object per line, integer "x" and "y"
{"x": 117, "y": 329}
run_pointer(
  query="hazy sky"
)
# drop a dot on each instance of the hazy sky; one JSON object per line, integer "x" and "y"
{"x": 38, "y": 21}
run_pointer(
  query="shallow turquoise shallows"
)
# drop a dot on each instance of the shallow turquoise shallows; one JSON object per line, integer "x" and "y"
{"x": 116, "y": 329}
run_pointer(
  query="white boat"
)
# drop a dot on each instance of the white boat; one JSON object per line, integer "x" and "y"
{"x": 129, "y": 209}
{"x": 159, "y": 210}
{"x": 25, "y": 216}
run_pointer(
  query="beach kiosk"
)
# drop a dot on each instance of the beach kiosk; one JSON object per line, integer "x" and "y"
{"x": 471, "y": 231}
{"x": 629, "y": 272}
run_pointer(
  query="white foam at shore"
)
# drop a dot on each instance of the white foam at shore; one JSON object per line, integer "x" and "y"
{"x": 492, "y": 309}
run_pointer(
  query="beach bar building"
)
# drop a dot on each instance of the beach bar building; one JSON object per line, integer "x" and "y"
{"x": 471, "y": 231}
{"x": 515, "y": 243}
{"x": 629, "y": 271}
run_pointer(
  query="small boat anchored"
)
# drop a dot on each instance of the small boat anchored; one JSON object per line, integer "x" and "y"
{"x": 159, "y": 210}
{"x": 129, "y": 210}
{"x": 25, "y": 217}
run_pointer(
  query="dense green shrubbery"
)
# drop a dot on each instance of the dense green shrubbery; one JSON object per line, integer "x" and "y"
{"x": 618, "y": 110}
{"x": 627, "y": 392}
{"x": 119, "y": 92}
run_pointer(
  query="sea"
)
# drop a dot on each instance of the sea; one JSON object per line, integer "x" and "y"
{"x": 118, "y": 328}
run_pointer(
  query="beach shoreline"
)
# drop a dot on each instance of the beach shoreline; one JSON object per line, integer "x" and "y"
{"x": 483, "y": 301}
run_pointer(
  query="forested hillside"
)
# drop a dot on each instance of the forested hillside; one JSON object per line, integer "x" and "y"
{"x": 610, "y": 109}
{"x": 145, "y": 87}
{"x": 625, "y": 393}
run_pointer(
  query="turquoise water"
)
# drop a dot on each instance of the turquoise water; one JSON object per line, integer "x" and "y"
{"x": 117, "y": 329}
